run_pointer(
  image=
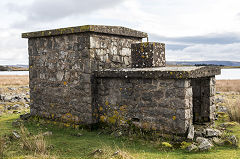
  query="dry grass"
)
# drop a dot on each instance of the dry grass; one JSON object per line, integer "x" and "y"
{"x": 2, "y": 147}
{"x": 40, "y": 157}
{"x": 33, "y": 143}
{"x": 110, "y": 152}
{"x": 14, "y": 80}
{"x": 228, "y": 85}
{"x": 233, "y": 109}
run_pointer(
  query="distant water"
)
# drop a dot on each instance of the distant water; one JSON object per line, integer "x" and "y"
{"x": 225, "y": 73}
{"x": 231, "y": 74}
{"x": 14, "y": 73}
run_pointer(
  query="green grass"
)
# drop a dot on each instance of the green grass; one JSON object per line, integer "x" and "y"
{"x": 66, "y": 145}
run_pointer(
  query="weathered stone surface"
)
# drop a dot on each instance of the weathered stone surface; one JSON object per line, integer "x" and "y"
{"x": 190, "y": 132}
{"x": 161, "y": 72}
{"x": 116, "y": 30}
{"x": 16, "y": 135}
{"x": 217, "y": 141}
{"x": 191, "y": 148}
{"x": 205, "y": 145}
{"x": 222, "y": 109}
{"x": 148, "y": 55}
{"x": 213, "y": 133}
{"x": 219, "y": 100}
{"x": 232, "y": 140}
{"x": 200, "y": 139}
{"x": 143, "y": 101}
{"x": 198, "y": 133}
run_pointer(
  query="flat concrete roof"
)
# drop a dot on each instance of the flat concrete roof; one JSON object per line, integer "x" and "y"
{"x": 114, "y": 30}
{"x": 161, "y": 72}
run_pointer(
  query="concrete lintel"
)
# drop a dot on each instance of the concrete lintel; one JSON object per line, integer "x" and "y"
{"x": 161, "y": 72}
{"x": 113, "y": 30}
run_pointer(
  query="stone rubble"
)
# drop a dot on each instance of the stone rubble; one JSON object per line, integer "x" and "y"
{"x": 191, "y": 148}
{"x": 212, "y": 132}
{"x": 190, "y": 132}
{"x": 16, "y": 135}
{"x": 222, "y": 109}
{"x": 205, "y": 145}
{"x": 232, "y": 140}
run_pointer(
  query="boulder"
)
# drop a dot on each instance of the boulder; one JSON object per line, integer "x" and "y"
{"x": 22, "y": 100}
{"x": 16, "y": 107}
{"x": 48, "y": 133}
{"x": 2, "y": 97}
{"x": 191, "y": 148}
{"x": 228, "y": 124}
{"x": 217, "y": 141}
{"x": 16, "y": 98}
{"x": 7, "y": 98}
{"x": 222, "y": 109}
{"x": 200, "y": 139}
{"x": 26, "y": 99}
{"x": 190, "y": 132}
{"x": 198, "y": 133}
{"x": 219, "y": 100}
{"x": 16, "y": 135}
{"x": 7, "y": 107}
{"x": 11, "y": 88}
{"x": 204, "y": 144}
{"x": 212, "y": 132}
{"x": 232, "y": 140}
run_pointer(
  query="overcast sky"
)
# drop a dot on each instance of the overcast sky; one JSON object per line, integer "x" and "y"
{"x": 192, "y": 29}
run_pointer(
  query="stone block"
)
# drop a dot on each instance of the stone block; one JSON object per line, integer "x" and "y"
{"x": 182, "y": 83}
{"x": 148, "y": 55}
{"x": 183, "y": 93}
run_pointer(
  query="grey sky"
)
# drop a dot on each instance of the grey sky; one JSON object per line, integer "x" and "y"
{"x": 192, "y": 30}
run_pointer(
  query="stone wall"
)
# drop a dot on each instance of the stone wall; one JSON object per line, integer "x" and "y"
{"x": 60, "y": 81}
{"x": 61, "y": 72}
{"x": 203, "y": 99}
{"x": 111, "y": 51}
{"x": 154, "y": 104}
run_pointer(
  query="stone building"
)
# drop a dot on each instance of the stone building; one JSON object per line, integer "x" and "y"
{"x": 90, "y": 74}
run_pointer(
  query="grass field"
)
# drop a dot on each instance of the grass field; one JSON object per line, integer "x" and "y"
{"x": 6, "y": 80}
{"x": 81, "y": 143}
{"x": 228, "y": 85}
{"x": 65, "y": 144}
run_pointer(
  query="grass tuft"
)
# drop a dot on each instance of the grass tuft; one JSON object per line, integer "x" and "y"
{"x": 2, "y": 147}
{"x": 108, "y": 152}
{"x": 33, "y": 143}
{"x": 233, "y": 109}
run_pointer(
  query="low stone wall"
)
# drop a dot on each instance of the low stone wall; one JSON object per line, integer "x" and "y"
{"x": 151, "y": 104}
